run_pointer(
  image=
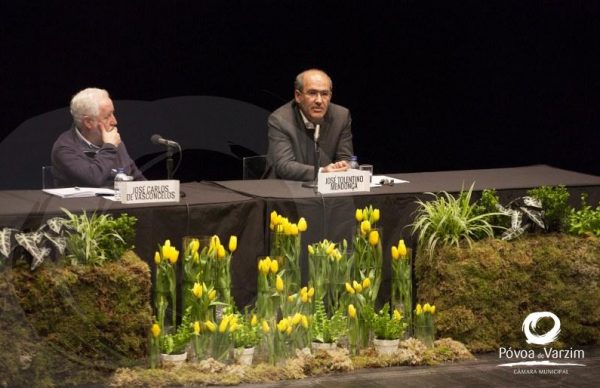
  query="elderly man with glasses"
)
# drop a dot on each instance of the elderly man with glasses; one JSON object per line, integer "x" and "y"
{"x": 292, "y": 130}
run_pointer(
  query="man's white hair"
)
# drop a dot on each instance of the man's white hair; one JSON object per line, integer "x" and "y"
{"x": 87, "y": 103}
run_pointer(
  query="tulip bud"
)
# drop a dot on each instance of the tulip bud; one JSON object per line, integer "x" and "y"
{"x": 254, "y": 320}
{"x": 311, "y": 250}
{"x": 375, "y": 216}
{"x": 374, "y": 237}
{"x": 212, "y": 295}
{"x": 358, "y": 215}
{"x": 157, "y": 257}
{"x": 351, "y": 311}
{"x": 220, "y": 251}
{"x": 265, "y": 327}
{"x": 395, "y": 253}
{"x": 274, "y": 266}
{"x": 349, "y": 288}
{"x": 366, "y": 283}
{"x": 401, "y": 249}
{"x": 302, "y": 225}
{"x": 232, "y": 244}
{"x": 196, "y": 327}
{"x": 197, "y": 290}
{"x": 279, "y": 283}
{"x": 365, "y": 227}
{"x": 155, "y": 330}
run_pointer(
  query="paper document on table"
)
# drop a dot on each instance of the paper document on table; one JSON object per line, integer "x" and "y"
{"x": 380, "y": 180}
{"x": 80, "y": 192}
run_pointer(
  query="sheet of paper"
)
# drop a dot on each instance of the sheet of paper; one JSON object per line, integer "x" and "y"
{"x": 380, "y": 180}
{"x": 80, "y": 192}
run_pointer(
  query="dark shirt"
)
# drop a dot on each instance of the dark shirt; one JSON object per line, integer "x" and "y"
{"x": 76, "y": 163}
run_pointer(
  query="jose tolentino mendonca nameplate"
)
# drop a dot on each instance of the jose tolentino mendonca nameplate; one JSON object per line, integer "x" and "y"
{"x": 350, "y": 181}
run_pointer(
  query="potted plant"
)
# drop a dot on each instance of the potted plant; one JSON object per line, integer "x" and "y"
{"x": 173, "y": 346}
{"x": 245, "y": 338}
{"x": 388, "y": 327}
{"x": 325, "y": 332}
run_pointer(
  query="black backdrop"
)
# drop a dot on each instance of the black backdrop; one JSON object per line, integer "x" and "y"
{"x": 432, "y": 85}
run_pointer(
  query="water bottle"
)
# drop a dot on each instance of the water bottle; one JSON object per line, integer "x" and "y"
{"x": 354, "y": 162}
{"x": 120, "y": 176}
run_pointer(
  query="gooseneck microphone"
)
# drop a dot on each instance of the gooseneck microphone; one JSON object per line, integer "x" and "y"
{"x": 157, "y": 139}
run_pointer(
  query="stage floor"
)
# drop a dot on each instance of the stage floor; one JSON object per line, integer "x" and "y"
{"x": 483, "y": 372}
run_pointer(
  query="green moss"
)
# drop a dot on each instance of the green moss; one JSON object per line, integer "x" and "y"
{"x": 73, "y": 324}
{"x": 483, "y": 294}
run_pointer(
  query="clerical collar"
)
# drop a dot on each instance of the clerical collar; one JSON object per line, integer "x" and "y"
{"x": 92, "y": 145}
{"x": 307, "y": 124}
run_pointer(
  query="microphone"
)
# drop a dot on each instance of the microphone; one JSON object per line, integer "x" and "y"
{"x": 157, "y": 139}
{"x": 317, "y": 130}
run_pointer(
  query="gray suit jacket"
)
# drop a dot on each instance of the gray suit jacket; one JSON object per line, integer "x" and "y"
{"x": 291, "y": 146}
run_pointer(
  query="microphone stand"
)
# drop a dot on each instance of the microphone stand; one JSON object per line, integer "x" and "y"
{"x": 314, "y": 184}
{"x": 170, "y": 162}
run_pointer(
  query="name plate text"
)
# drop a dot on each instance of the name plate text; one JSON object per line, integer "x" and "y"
{"x": 149, "y": 191}
{"x": 351, "y": 181}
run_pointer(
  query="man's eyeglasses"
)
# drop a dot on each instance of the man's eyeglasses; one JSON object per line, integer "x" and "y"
{"x": 325, "y": 94}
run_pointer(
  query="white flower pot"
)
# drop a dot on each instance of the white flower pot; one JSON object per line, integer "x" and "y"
{"x": 386, "y": 347}
{"x": 244, "y": 356}
{"x": 323, "y": 346}
{"x": 175, "y": 359}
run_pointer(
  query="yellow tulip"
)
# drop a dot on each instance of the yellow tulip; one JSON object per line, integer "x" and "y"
{"x": 355, "y": 284}
{"x": 358, "y": 215}
{"x": 311, "y": 250}
{"x": 173, "y": 255}
{"x": 365, "y": 227}
{"x": 166, "y": 246}
{"x": 419, "y": 310}
{"x": 196, "y": 257}
{"x": 330, "y": 249}
{"x": 211, "y": 326}
{"x": 358, "y": 287}
{"x": 224, "y": 323}
{"x": 365, "y": 213}
{"x": 294, "y": 229}
{"x": 427, "y": 308}
{"x": 274, "y": 217}
{"x": 432, "y": 309}
{"x": 366, "y": 283}
{"x": 155, "y": 330}
{"x": 265, "y": 327}
{"x": 375, "y": 216}
{"x": 402, "y": 248}
{"x": 289, "y": 330}
{"x": 194, "y": 245}
{"x": 274, "y": 266}
{"x": 279, "y": 228}
{"x": 282, "y": 326}
{"x": 397, "y": 315}
{"x": 291, "y": 298}
{"x": 254, "y": 320}
{"x": 197, "y": 290}
{"x": 212, "y": 295}
{"x": 349, "y": 288}
{"x": 157, "y": 257}
{"x": 351, "y": 311}
{"x": 337, "y": 255}
{"x": 302, "y": 225}
{"x": 304, "y": 321}
{"x": 395, "y": 254}
{"x": 296, "y": 319}
{"x": 304, "y": 298}
{"x": 279, "y": 283}
{"x": 196, "y": 327}
{"x": 287, "y": 229}
{"x": 374, "y": 237}
{"x": 232, "y": 244}
{"x": 220, "y": 251}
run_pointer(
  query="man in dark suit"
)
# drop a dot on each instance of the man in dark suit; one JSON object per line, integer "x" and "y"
{"x": 91, "y": 151}
{"x": 292, "y": 130}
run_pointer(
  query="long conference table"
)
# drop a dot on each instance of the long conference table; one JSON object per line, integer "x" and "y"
{"x": 242, "y": 208}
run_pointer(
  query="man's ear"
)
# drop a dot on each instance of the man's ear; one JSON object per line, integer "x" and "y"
{"x": 297, "y": 95}
{"x": 87, "y": 122}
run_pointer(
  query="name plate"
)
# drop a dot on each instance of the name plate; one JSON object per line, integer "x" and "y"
{"x": 149, "y": 191}
{"x": 351, "y": 181}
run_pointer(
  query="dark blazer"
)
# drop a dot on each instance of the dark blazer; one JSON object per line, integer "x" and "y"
{"x": 291, "y": 145}
{"x": 75, "y": 163}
